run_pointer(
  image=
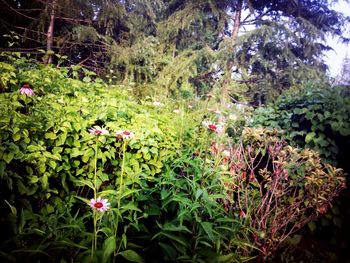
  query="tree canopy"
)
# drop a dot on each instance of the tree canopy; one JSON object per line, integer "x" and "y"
{"x": 251, "y": 50}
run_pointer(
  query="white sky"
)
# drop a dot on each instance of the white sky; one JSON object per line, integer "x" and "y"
{"x": 334, "y": 58}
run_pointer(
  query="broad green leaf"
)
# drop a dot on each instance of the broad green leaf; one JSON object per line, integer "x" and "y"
{"x": 109, "y": 245}
{"x": 310, "y": 136}
{"x": 130, "y": 206}
{"x": 8, "y": 157}
{"x": 50, "y": 135}
{"x": 131, "y": 256}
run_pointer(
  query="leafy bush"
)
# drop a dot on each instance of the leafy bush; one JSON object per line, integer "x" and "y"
{"x": 173, "y": 193}
{"x": 317, "y": 118}
{"x": 50, "y": 163}
{"x": 276, "y": 189}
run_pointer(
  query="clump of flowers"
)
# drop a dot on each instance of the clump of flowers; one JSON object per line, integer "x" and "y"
{"x": 98, "y": 131}
{"x": 99, "y": 204}
{"x": 26, "y": 90}
{"x": 218, "y": 128}
{"x": 125, "y": 134}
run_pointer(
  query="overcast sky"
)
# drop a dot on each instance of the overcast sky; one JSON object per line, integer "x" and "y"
{"x": 334, "y": 58}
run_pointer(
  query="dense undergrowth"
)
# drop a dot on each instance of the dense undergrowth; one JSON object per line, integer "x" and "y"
{"x": 179, "y": 187}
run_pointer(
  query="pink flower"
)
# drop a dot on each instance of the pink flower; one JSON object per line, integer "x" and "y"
{"x": 190, "y": 106}
{"x": 99, "y": 204}
{"x": 125, "y": 134}
{"x": 98, "y": 131}
{"x": 26, "y": 90}
{"x": 218, "y": 128}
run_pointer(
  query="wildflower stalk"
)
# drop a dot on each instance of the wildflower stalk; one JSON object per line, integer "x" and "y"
{"x": 122, "y": 172}
{"x": 218, "y": 154}
{"x": 94, "y": 215}
{"x": 119, "y": 196}
{"x": 95, "y": 169}
{"x": 94, "y": 244}
{"x": 205, "y": 153}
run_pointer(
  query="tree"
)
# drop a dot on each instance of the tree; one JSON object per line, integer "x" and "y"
{"x": 344, "y": 77}
{"x": 250, "y": 49}
{"x": 257, "y": 48}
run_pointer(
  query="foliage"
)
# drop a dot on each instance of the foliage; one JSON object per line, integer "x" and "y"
{"x": 276, "y": 189}
{"x": 317, "y": 118}
{"x": 179, "y": 190}
{"x": 172, "y": 44}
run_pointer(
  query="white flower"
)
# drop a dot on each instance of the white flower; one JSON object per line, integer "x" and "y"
{"x": 157, "y": 104}
{"x": 190, "y": 106}
{"x": 233, "y": 117}
{"x": 226, "y": 153}
{"x": 125, "y": 134}
{"x": 98, "y": 131}
{"x": 99, "y": 204}
{"x": 177, "y": 111}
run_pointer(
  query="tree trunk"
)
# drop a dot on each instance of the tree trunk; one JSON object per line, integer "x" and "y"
{"x": 49, "y": 41}
{"x": 229, "y": 65}
{"x": 237, "y": 21}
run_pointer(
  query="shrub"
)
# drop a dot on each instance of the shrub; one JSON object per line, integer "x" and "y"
{"x": 317, "y": 118}
{"x": 276, "y": 189}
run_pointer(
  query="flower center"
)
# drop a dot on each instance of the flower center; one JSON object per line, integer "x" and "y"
{"x": 126, "y": 133}
{"x": 212, "y": 127}
{"x": 98, "y": 132}
{"x": 98, "y": 204}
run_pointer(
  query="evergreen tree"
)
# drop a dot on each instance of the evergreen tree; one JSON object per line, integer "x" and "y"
{"x": 247, "y": 48}
{"x": 344, "y": 77}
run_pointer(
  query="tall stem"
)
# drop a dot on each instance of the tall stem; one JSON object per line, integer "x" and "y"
{"x": 94, "y": 241}
{"x": 122, "y": 173}
{"x": 95, "y": 171}
{"x": 120, "y": 193}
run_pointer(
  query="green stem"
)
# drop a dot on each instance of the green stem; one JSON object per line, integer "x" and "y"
{"x": 95, "y": 173}
{"x": 218, "y": 155}
{"x": 205, "y": 154}
{"x": 122, "y": 173}
{"x": 120, "y": 193}
{"x": 94, "y": 241}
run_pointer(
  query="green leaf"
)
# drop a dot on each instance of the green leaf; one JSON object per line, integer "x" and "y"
{"x": 83, "y": 182}
{"x": 32, "y": 148}
{"x": 199, "y": 192}
{"x": 61, "y": 139}
{"x": 16, "y": 136}
{"x": 208, "y": 228}
{"x": 52, "y": 164}
{"x": 8, "y": 157}
{"x": 50, "y": 135}
{"x": 130, "y": 206}
{"x": 168, "y": 250}
{"x": 13, "y": 209}
{"x": 178, "y": 239}
{"x": 109, "y": 245}
{"x": 309, "y": 137}
{"x": 132, "y": 256}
